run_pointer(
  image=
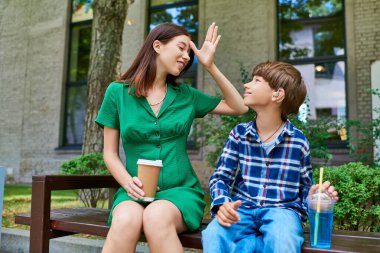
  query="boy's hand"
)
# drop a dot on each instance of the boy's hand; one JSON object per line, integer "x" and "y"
{"x": 326, "y": 188}
{"x": 227, "y": 214}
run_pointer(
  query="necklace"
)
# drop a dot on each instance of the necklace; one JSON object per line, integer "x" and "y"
{"x": 271, "y": 134}
{"x": 166, "y": 91}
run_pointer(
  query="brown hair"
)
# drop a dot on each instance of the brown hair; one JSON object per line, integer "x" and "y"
{"x": 286, "y": 76}
{"x": 142, "y": 72}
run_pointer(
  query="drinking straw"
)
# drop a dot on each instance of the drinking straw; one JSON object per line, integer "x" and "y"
{"x": 318, "y": 207}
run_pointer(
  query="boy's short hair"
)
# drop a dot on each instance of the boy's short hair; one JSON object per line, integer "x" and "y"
{"x": 286, "y": 76}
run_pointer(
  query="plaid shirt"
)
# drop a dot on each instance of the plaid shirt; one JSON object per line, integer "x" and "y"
{"x": 280, "y": 179}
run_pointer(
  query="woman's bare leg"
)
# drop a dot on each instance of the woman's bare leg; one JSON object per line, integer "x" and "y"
{"x": 162, "y": 221}
{"x": 125, "y": 228}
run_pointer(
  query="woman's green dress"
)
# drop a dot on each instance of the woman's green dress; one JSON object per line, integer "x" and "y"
{"x": 163, "y": 137}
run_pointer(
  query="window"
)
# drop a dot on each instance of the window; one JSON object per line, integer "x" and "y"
{"x": 185, "y": 14}
{"x": 76, "y": 86}
{"x": 311, "y": 37}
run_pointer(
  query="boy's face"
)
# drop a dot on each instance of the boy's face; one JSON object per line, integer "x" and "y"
{"x": 257, "y": 93}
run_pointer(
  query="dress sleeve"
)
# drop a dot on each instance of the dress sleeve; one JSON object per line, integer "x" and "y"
{"x": 108, "y": 114}
{"x": 202, "y": 102}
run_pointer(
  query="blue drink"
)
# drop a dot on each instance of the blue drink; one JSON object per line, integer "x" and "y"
{"x": 324, "y": 229}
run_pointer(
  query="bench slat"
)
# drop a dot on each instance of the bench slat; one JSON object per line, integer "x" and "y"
{"x": 93, "y": 221}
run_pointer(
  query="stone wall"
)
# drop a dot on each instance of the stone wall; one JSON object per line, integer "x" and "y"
{"x": 362, "y": 42}
{"x": 248, "y": 35}
{"x": 367, "y": 51}
{"x": 32, "y": 52}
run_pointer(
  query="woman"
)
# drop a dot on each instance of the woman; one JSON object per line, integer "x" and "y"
{"x": 153, "y": 115}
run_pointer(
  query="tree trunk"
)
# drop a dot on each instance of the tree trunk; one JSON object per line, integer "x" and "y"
{"x": 105, "y": 62}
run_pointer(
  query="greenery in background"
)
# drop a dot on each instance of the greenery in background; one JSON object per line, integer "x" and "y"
{"x": 358, "y": 186}
{"x": 218, "y": 129}
{"x": 17, "y": 199}
{"x": 317, "y": 133}
{"x": 184, "y": 16}
{"x": 368, "y": 133}
{"x": 88, "y": 164}
{"x": 290, "y": 9}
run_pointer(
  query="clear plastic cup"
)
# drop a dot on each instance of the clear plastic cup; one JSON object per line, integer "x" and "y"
{"x": 321, "y": 218}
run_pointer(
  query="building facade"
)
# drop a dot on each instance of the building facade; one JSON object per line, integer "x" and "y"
{"x": 43, "y": 62}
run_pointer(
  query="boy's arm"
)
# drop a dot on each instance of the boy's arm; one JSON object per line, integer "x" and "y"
{"x": 306, "y": 180}
{"x": 224, "y": 174}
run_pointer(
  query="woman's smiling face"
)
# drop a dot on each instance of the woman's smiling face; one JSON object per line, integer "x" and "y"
{"x": 174, "y": 56}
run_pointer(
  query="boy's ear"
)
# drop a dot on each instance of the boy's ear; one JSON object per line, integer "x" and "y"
{"x": 278, "y": 96}
{"x": 157, "y": 46}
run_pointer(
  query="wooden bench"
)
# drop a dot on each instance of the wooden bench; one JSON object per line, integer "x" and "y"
{"x": 46, "y": 224}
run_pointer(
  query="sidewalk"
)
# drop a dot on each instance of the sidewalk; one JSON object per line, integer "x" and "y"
{"x": 17, "y": 241}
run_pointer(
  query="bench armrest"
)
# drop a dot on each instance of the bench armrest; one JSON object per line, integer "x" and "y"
{"x": 42, "y": 186}
{"x": 63, "y": 182}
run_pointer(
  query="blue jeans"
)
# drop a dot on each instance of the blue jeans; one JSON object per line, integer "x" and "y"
{"x": 265, "y": 230}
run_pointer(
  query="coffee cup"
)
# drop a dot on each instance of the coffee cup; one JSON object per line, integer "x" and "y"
{"x": 148, "y": 173}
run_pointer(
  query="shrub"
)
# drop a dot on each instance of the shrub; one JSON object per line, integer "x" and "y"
{"x": 218, "y": 131}
{"x": 358, "y": 186}
{"x": 219, "y": 127}
{"x": 316, "y": 131}
{"x": 89, "y": 164}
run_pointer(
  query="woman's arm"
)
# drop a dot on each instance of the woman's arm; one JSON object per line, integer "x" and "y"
{"x": 111, "y": 157}
{"x": 233, "y": 102}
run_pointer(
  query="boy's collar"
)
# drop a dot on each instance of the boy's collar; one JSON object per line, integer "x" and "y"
{"x": 252, "y": 129}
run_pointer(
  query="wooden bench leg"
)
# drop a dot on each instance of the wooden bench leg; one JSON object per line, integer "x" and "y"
{"x": 40, "y": 217}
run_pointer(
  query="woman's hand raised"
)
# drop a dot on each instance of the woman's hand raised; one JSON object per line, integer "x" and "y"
{"x": 206, "y": 54}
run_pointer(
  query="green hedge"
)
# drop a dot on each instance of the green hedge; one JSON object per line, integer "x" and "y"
{"x": 89, "y": 164}
{"x": 358, "y": 186}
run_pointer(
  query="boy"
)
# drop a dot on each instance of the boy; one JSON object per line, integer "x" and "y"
{"x": 261, "y": 206}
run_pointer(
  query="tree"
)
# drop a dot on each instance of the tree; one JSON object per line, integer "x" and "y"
{"x": 105, "y": 62}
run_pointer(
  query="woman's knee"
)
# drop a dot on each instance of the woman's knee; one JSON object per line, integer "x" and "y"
{"x": 156, "y": 219}
{"x": 161, "y": 217}
{"x": 127, "y": 218}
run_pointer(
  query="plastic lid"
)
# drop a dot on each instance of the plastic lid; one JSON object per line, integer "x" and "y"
{"x": 157, "y": 163}
{"x": 324, "y": 198}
